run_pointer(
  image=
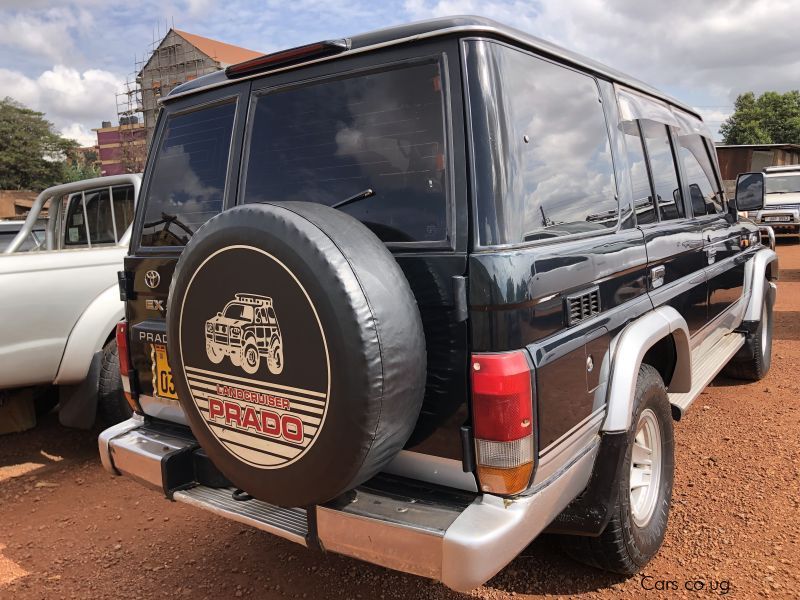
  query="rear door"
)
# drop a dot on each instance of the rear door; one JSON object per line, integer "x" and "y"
{"x": 190, "y": 177}
{"x": 382, "y": 121}
{"x": 674, "y": 240}
{"x": 722, "y": 233}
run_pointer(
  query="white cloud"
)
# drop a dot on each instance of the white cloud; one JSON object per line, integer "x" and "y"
{"x": 47, "y": 33}
{"x": 706, "y": 53}
{"x": 74, "y": 101}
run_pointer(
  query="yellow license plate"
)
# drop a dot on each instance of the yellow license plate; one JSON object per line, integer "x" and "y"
{"x": 162, "y": 374}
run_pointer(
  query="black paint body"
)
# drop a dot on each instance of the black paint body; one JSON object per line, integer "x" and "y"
{"x": 517, "y": 295}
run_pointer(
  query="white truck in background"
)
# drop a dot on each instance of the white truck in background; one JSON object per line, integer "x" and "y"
{"x": 781, "y": 201}
{"x": 59, "y": 301}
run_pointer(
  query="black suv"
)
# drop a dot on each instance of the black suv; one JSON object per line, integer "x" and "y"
{"x": 501, "y": 270}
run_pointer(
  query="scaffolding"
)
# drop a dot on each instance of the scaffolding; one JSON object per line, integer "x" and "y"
{"x": 132, "y": 138}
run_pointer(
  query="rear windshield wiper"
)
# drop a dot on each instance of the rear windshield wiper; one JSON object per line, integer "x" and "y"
{"x": 362, "y": 195}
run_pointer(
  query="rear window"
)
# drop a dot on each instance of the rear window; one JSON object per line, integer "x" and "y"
{"x": 94, "y": 218}
{"x": 333, "y": 139}
{"x": 783, "y": 184}
{"x": 188, "y": 182}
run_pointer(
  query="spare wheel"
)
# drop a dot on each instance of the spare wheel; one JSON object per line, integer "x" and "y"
{"x": 323, "y": 372}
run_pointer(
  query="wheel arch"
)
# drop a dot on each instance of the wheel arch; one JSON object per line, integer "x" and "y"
{"x": 91, "y": 333}
{"x": 661, "y": 337}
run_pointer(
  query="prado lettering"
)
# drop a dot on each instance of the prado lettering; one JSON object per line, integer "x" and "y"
{"x": 268, "y": 423}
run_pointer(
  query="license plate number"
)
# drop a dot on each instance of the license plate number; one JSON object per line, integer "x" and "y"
{"x": 162, "y": 374}
{"x": 777, "y": 219}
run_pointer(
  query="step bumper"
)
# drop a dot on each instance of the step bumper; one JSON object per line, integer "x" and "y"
{"x": 459, "y": 538}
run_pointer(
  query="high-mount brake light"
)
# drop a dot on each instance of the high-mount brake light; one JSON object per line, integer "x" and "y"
{"x": 502, "y": 418}
{"x": 288, "y": 57}
{"x": 125, "y": 364}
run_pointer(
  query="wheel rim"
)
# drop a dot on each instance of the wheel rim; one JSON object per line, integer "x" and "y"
{"x": 645, "y": 473}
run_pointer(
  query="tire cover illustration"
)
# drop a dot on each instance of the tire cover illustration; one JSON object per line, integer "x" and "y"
{"x": 297, "y": 350}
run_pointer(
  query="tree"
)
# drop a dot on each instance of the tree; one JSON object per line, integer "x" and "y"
{"x": 79, "y": 164}
{"x": 771, "y": 118}
{"x": 32, "y": 153}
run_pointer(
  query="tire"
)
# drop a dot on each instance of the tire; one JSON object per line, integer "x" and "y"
{"x": 349, "y": 389}
{"x": 639, "y": 521}
{"x": 249, "y": 358}
{"x": 275, "y": 357}
{"x": 215, "y": 353}
{"x": 753, "y": 361}
{"x": 112, "y": 405}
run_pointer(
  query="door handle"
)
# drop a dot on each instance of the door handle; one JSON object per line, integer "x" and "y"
{"x": 657, "y": 276}
{"x": 711, "y": 254}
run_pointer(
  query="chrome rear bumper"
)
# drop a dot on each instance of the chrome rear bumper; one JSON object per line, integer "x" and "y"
{"x": 459, "y": 538}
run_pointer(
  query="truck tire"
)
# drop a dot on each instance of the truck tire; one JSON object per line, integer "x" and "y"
{"x": 348, "y": 389}
{"x": 639, "y": 519}
{"x": 753, "y": 361}
{"x": 112, "y": 406}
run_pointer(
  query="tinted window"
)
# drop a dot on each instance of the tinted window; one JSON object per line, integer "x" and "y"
{"x": 123, "y": 207}
{"x": 188, "y": 179}
{"x": 92, "y": 219}
{"x": 552, "y": 173}
{"x": 330, "y": 140}
{"x": 699, "y": 173}
{"x": 662, "y": 165}
{"x": 637, "y": 170}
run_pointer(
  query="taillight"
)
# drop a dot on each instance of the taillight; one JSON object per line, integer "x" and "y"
{"x": 502, "y": 421}
{"x": 125, "y": 364}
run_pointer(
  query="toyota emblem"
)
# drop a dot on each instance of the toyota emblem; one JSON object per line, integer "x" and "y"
{"x": 152, "y": 279}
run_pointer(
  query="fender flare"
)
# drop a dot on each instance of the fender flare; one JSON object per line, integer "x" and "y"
{"x": 763, "y": 266}
{"x": 628, "y": 351}
{"x": 89, "y": 335}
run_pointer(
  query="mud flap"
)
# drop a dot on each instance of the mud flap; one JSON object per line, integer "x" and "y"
{"x": 78, "y": 403}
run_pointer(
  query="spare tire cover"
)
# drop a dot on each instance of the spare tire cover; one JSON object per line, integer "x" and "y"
{"x": 297, "y": 350}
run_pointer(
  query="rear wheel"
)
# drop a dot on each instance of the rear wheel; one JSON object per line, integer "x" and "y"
{"x": 753, "y": 361}
{"x": 639, "y": 519}
{"x": 275, "y": 357}
{"x": 112, "y": 405}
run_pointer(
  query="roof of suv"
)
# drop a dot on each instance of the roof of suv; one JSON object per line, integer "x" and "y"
{"x": 461, "y": 25}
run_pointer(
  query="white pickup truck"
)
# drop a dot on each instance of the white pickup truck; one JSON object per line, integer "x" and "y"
{"x": 59, "y": 302}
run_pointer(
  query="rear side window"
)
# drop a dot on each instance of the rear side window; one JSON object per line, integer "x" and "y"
{"x": 552, "y": 172}
{"x": 330, "y": 140}
{"x": 188, "y": 182}
{"x": 662, "y": 165}
{"x": 699, "y": 172}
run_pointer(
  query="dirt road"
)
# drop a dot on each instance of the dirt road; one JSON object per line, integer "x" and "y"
{"x": 70, "y": 530}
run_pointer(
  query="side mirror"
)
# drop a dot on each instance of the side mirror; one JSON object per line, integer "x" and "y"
{"x": 750, "y": 191}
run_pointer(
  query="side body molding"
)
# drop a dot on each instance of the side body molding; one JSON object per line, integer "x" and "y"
{"x": 763, "y": 266}
{"x": 628, "y": 350}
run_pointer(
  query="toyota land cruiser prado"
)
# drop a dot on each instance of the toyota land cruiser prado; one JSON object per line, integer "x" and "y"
{"x": 501, "y": 272}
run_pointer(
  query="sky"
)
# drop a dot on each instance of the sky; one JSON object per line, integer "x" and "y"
{"x": 69, "y": 58}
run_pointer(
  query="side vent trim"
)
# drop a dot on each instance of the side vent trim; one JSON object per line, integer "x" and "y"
{"x": 581, "y": 306}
